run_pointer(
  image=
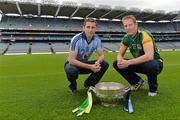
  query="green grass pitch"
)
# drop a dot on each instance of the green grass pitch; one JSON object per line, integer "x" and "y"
{"x": 34, "y": 87}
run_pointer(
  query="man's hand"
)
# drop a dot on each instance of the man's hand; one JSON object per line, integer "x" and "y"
{"x": 97, "y": 63}
{"x": 95, "y": 67}
{"x": 122, "y": 63}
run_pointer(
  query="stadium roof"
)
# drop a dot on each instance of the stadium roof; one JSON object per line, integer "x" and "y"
{"x": 72, "y": 9}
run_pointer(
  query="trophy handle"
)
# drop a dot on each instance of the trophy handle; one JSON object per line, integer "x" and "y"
{"x": 126, "y": 89}
{"x": 91, "y": 88}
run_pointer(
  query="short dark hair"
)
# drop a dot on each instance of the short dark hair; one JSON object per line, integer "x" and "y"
{"x": 89, "y": 20}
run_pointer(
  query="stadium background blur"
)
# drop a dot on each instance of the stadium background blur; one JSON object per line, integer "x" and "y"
{"x": 29, "y": 27}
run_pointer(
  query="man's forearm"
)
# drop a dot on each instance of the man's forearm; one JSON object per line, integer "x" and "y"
{"x": 138, "y": 60}
{"x": 79, "y": 64}
{"x": 101, "y": 59}
{"x": 119, "y": 57}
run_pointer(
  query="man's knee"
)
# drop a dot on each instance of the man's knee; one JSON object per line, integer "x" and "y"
{"x": 71, "y": 71}
{"x": 105, "y": 65}
{"x": 152, "y": 67}
{"x": 116, "y": 67}
{"x": 115, "y": 64}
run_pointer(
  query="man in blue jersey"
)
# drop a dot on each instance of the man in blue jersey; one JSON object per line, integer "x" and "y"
{"x": 81, "y": 48}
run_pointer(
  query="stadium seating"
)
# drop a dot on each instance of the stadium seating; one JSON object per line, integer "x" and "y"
{"x": 3, "y": 47}
{"x": 18, "y": 48}
{"x": 40, "y": 31}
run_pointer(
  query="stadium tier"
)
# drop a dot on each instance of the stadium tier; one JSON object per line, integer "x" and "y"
{"x": 15, "y": 28}
{"x": 28, "y": 31}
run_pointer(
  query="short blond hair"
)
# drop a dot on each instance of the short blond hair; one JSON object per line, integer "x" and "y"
{"x": 129, "y": 17}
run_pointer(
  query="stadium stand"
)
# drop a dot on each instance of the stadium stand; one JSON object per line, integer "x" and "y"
{"x": 60, "y": 47}
{"x": 40, "y": 48}
{"x": 18, "y": 48}
{"x": 3, "y": 47}
{"x": 47, "y": 27}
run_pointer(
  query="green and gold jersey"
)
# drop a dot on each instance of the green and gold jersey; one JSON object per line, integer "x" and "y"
{"x": 141, "y": 40}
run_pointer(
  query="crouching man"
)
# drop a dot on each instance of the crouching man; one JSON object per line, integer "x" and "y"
{"x": 146, "y": 59}
{"x": 81, "y": 48}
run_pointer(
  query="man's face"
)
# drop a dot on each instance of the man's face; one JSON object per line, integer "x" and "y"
{"x": 89, "y": 29}
{"x": 130, "y": 27}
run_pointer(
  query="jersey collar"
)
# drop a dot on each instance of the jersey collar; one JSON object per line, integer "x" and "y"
{"x": 85, "y": 38}
{"x": 134, "y": 37}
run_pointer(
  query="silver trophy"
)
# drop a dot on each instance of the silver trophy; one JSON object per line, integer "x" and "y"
{"x": 110, "y": 93}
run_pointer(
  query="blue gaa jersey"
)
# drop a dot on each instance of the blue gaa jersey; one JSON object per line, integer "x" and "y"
{"x": 83, "y": 48}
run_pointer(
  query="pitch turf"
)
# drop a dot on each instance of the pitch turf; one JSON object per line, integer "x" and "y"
{"x": 34, "y": 87}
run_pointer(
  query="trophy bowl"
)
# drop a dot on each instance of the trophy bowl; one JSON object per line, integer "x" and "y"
{"x": 109, "y": 93}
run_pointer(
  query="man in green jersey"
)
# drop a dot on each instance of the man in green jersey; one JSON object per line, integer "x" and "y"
{"x": 146, "y": 57}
